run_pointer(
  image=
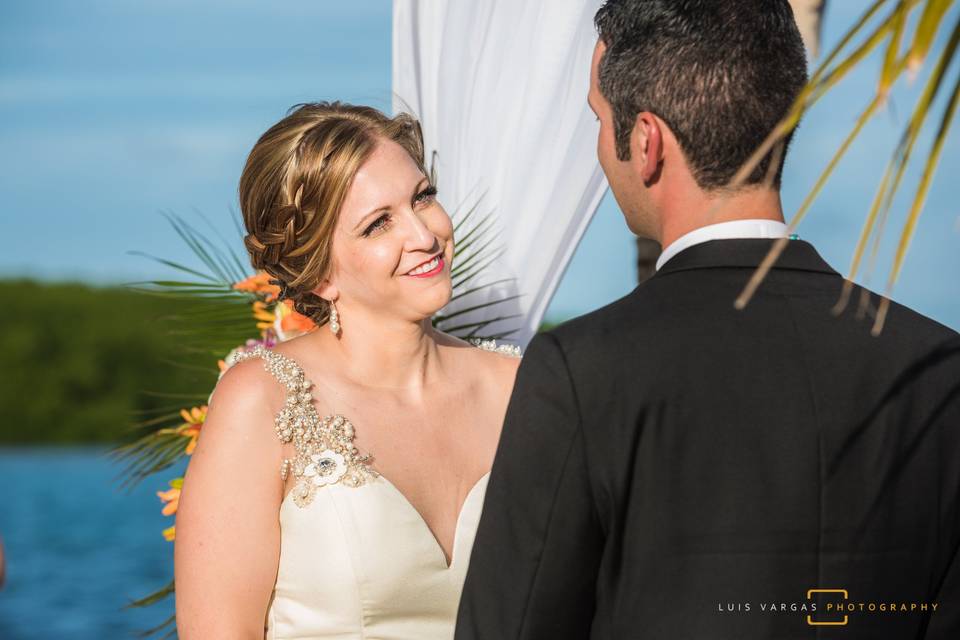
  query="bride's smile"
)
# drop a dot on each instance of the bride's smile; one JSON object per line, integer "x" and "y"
{"x": 429, "y": 268}
{"x": 393, "y": 244}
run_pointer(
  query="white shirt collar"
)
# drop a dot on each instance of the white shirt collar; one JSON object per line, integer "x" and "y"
{"x": 753, "y": 228}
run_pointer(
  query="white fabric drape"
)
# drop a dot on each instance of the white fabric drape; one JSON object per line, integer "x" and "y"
{"x": 500, "y": 88}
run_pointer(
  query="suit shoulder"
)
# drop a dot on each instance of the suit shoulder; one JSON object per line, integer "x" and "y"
{"x": 611, "y": 313}
{"x": 599, "y": 325}
{"x": 933, "y": 329}
{"x": 910, "y": 326}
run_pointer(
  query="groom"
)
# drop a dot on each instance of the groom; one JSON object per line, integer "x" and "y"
{"x": 673, "y": 467}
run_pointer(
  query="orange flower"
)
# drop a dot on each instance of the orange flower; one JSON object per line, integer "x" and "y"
{"x": 170, "y": 533}
{"x": 171, "y": 497}
{"x": 264, "y": 316}
{"x": 192, "y": 422}
{"x": 259, "y": 284}
{"x": 191, "y": 426}
{"x": 292, "y": 321}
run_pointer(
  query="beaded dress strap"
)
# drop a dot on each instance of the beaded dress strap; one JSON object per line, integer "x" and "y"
{"x": 324, "y": 449}
{"x": 489, "y": 344}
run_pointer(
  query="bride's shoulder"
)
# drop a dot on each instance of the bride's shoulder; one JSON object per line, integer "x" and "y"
{"x": 482, "y": 349}
{"x": 253, "y": 386}
{"x": 272, "y": 367}
{"x": 244, "y": 379}
{"x": 233, "y": 442}
{"x": 491, "y": 359}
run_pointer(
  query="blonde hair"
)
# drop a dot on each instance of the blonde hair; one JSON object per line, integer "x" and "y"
{"x": 295, "y": 181}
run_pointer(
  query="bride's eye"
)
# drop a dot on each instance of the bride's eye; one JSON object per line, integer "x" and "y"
{"x": 426, "y": 195}
{"x": 378, "y": 224}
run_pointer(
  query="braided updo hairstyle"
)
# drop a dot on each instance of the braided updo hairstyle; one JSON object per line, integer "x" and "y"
{"x": 295, "y": 181}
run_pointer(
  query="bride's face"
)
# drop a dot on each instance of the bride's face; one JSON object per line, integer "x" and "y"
{"x": 393, "y": 242}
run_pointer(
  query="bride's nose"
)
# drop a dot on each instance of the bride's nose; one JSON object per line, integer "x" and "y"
{"x": 419, "y": 236}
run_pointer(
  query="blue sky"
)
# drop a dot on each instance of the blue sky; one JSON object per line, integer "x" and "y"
{"x": 111, "y": 111}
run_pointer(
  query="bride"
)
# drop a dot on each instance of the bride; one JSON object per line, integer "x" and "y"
{"x": 337, "y": 484}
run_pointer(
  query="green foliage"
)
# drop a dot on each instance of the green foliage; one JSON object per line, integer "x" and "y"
{"x": 85, "y": 364}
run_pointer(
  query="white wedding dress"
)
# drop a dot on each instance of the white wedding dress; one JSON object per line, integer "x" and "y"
{"x": 357, "y": 560}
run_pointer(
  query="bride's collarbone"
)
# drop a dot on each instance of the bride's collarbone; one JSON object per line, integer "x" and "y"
{"x": 437, "y": 444}
{"x": 435, "y": 408}
{"x": 412, "y": 442}
{"x": 444, "y": 437}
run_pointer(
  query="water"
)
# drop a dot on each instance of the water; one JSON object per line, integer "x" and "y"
{"x": 78, "y": 547}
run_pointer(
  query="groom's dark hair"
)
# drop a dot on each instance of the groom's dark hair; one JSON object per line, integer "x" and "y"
{"x": 720, "y": 73}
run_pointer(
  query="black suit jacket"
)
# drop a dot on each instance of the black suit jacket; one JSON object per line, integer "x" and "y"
{"x": 671, "y": 467}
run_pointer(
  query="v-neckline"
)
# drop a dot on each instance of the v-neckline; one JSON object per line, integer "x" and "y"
{"x": 423, "y": 521}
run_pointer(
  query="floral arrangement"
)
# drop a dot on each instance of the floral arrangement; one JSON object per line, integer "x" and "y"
{"x": 239, "y": 312}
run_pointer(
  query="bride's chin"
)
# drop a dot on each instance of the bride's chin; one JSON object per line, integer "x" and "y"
{"x": 427, "y": 297}
{"x": 437, "y": 298}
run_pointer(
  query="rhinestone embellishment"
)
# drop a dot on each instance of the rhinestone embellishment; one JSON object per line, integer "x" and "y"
{"x": 491, "y": 345}
{"x": 324, "y": 448}
{"x": 325, "y": 467}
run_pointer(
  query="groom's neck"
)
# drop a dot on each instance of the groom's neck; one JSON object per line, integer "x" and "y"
{"x": 681, "y": 215}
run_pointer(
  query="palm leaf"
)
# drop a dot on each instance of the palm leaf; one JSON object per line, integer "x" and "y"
{"x": 897, "y": 167}
{"x": 933, "y": 14}
{"x": 891, "y": 29}
{"x": 463, "y": 294}
{"x": 479, "y": 325}
{"x": 919, "y": 199}
{"x": 772, "y": 256}
{"x": 156, "y": 596}
{"x": 825, "y": 77}
{"x": 169, "y": 624}
{"x": 174, "y": 265}
{"x": 148, "y": 455}
{"x": 477, "y": 307}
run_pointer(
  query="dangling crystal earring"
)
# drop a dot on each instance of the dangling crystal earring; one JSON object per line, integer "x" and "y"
{"x": 334, "y": 319}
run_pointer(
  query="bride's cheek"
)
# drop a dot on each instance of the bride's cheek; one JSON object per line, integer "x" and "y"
{"x": 383, "y": 257}
{"x": 442, "y": 225}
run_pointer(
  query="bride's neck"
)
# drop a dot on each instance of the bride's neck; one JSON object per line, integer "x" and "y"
{"x": 378, "y": 353}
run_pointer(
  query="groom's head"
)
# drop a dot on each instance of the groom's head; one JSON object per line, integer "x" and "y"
{"x": 685, "y": 91}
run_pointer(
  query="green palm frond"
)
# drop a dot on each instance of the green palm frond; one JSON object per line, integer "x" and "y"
{"x": 152, "y": 598}
{"x": 169, "y": 625}
{"x": 893, "y": 30}
{"x": 474, "y": 251}
{"x": 475, "y": 327}
{"x": 150, "y": 454}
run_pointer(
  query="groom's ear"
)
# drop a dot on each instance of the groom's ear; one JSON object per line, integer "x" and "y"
{"x": 646, "y": 146}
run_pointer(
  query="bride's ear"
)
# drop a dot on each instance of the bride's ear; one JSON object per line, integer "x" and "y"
{"x": 646, "y": 146}
{"x": 326, "y": 290}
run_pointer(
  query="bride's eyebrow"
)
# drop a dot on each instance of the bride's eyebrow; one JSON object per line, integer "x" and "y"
{"x": 377, "y": 210}
{"x": 416, "y": 190}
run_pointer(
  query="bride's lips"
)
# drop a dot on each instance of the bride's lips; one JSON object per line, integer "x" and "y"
{"x": 427, "y": 274}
